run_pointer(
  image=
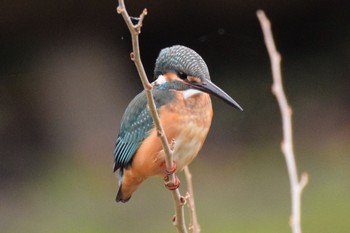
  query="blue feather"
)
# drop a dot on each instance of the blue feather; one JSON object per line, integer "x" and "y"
{"x": 136, "y": 126}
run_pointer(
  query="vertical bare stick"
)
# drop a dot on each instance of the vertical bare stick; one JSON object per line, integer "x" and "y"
{"x": 135, "y": 30}
{"x": 296, "y": 186}
{"x": 193, "y": 226}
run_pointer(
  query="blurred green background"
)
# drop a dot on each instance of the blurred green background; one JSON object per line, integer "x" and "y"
{"x": 66, "y": 78}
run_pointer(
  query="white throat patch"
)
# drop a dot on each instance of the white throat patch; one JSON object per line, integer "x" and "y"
{"x": 190, "y": 92}
{"x": 160, "y": 80}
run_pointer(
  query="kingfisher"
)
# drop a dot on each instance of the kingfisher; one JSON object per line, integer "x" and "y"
{"x": 181, "y": 91}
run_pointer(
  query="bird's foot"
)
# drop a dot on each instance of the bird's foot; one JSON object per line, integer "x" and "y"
{"x": 171, "y": 170}
{"x": 168, "y": 172}
{"x": 170, "y": 185}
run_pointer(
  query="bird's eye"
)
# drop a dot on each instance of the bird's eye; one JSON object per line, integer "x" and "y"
{"x": 182, "y": 75}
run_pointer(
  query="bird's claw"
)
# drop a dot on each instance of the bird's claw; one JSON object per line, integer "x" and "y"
{"x": 172, "y": 186}
{"x": 171, "y": 170}
{"x": 168, "y": 172}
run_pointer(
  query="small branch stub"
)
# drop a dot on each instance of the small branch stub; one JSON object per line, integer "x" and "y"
{"x": 303, "y": 181}
{"x": 119, "y": 10}
{"x": 182, "y": 200}
{"x": 132, "y": 56}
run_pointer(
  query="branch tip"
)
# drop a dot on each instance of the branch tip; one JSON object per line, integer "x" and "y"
{"x": 145, "y": 12}
{"x": 140, "y": 21}
{"x": 260, "y": 13}
{"x": 263, "y": 19}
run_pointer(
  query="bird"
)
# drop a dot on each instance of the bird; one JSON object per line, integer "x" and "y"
{"x": 181, "y": 92}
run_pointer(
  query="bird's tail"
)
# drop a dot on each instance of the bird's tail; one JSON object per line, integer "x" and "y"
{"x": 128, "y": 184}
{"x": 121, "y": 197}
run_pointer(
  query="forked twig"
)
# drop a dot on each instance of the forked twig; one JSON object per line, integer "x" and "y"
{"x": 135, "y": 30}
{"x": 296, "y": 185}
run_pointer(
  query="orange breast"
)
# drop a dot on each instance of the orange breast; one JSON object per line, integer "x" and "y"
{"x": 188, "y": 122}
{"x": 185, "y": 120}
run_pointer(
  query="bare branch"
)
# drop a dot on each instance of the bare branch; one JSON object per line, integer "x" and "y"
{"x": 135, "y": 30}
{"x": 286, "y": 112}
{"x": 193, "y": 226}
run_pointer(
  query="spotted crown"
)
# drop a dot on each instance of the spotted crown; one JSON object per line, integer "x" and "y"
{"x": 179, "y": 58}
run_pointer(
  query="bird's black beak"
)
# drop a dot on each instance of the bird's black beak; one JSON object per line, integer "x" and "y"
{"x": 212, "y": 89}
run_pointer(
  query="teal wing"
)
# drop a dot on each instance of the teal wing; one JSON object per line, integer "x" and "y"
{"x": 136, "y": 126}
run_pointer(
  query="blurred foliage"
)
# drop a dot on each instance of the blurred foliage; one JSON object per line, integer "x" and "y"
{"x": 66, "y": 78}
{"x": 239, "y": 194}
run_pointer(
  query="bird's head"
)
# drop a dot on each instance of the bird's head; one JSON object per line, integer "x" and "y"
{"x": 181, "y": 68}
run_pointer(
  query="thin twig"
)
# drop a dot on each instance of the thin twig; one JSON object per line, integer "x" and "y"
{"x": 296, "y": 186}
{"x": 193, "y": 225}
{"x": 135, "y": 30}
